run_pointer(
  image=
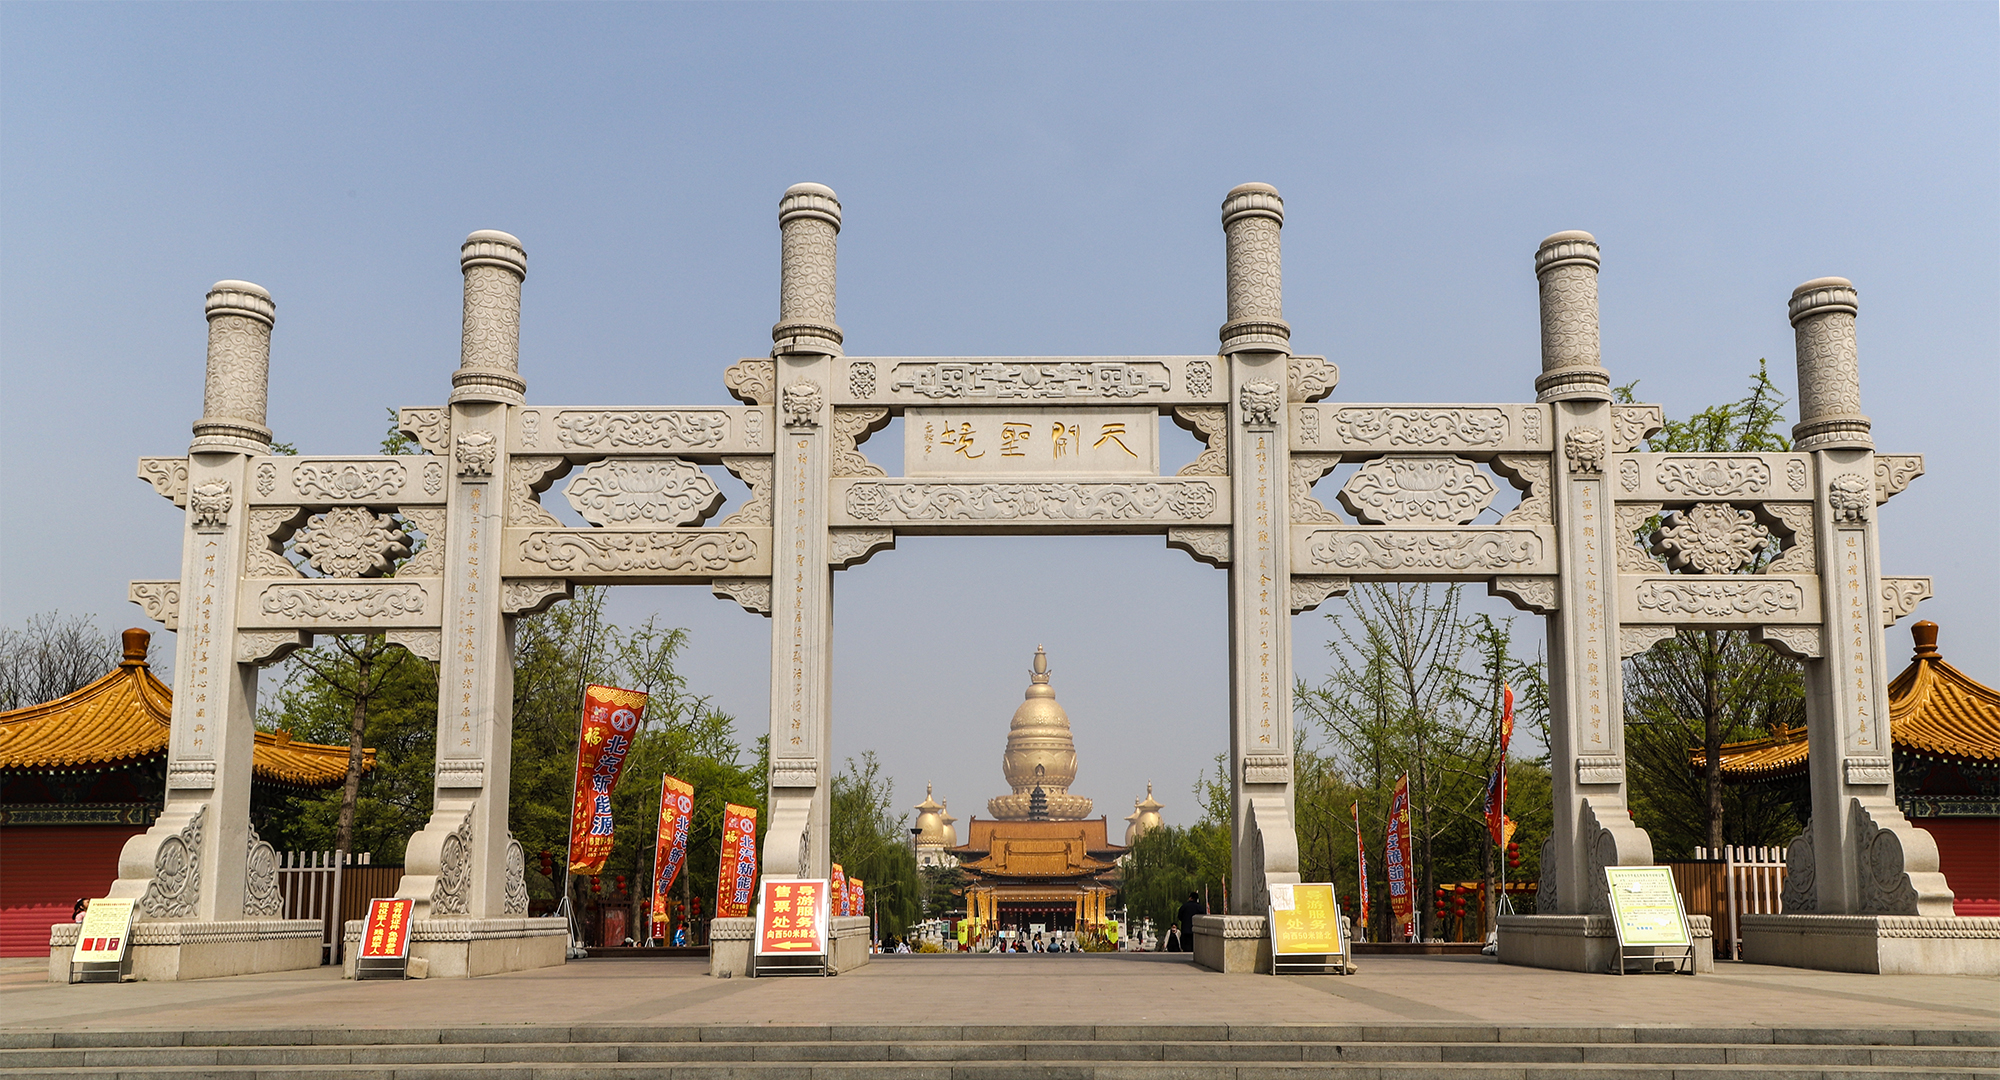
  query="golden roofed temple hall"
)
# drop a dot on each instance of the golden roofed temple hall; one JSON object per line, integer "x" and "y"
{"x": 1039, "y": 860}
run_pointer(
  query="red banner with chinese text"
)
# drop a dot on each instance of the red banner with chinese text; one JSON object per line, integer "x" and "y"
{"x": 1361, "y": 870}
{"x": 837, "y": 903}
{"x": 1397, "y": 856}
{"x": 1496, "y": 785}
{"x": 859, "y": 906}
{"x": 738, "y": 875}
{"x": 671, "y": 847}
{"x": 791, "y": 918}
{"x": 610, "y": 721}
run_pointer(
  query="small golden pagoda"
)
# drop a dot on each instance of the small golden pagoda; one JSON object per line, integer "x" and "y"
{"x": 1145, "y": 816}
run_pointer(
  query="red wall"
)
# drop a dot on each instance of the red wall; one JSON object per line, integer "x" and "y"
{"x": 1969, "y": 855}
{"x": 43, "y": 869}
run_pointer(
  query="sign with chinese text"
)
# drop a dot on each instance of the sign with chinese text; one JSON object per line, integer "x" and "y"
{"x": 671, "y": 846}
{"x": 1030, "y": 441}
{"x": 105, "y": 934}
{"x": 791, "y": 917}
{"x": 857, "y": 897}
{"x": 737, "y": 876}
{"x": 838, "y": 902}
{"x": 385, "y": 939}
{"x": 1646, "y": 908}
{"x": 610, "y": 721}
{"x": 1396, "y": 857}
{"x": 1305, "y": 920}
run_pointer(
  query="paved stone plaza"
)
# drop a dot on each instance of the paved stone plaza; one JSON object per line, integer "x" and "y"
{"x": 1026, "y": 990}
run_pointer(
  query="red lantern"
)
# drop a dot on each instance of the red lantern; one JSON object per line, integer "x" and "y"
{"x": 596, "y": 884}
{"x": 621, "y": 883}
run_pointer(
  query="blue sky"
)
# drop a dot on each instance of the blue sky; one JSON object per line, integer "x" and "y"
{"x": 1017, "y": 179}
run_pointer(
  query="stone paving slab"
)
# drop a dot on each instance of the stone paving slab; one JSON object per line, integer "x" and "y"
{"x": 1043, "y": 998}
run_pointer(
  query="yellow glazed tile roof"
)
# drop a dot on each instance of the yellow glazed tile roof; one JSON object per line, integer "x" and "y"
{"x": 125, "y": 716}
{"x": 1933, "y": 708}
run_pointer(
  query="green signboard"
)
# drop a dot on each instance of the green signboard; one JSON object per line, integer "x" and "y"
{"x": 1646, "y": 907}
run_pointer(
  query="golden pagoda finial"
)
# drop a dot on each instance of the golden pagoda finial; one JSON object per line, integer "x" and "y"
{"x": 1040, "y": 674}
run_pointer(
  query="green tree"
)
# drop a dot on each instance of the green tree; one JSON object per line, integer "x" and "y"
{"x": 872, "y": 842}
{"x": 1704, "y": 688}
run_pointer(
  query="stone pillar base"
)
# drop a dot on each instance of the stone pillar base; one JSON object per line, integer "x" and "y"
{"x": 849, "y": 943}
{"x": 1584, "y": 942}
{"x": 172, "y": 951}
{"x": 1232, "y": 944}
{"x": 730, "y": 942}
{"x": 1874, "y": 944}
{"x": 461, "y": 948}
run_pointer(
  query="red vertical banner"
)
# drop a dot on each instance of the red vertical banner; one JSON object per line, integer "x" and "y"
{"x": 837, "y": 900}
{"x": 1496, "y": 785}
{"x": 855, "y": 890}
{"x": 610, "y": 721}
{"x": 671, "y": 848}
{"x": 737, "y": 878}
{"x": 1397, "y": 856}
{"x": 1360, "y": 870}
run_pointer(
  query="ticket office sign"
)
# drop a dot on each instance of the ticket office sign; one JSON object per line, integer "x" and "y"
{"x": 1646, "y": 907}
{"x": 103, "y": 942}
{"x": 1305, "y": 921}
{"x": 792, "y": 917}
{"x": 385, "y": 939}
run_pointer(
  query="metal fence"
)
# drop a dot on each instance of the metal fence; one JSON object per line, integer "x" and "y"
{"x": 1753, "y": 883}
{"x": 310, "y": 883}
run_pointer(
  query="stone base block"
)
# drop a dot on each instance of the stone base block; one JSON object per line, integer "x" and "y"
{"x": 849, "y": 943}
{"x": 1232, "y": 944}
{"x": 729, "y": 944}
{"x": 461, "y": 948}
{"x": 1584, "y": 942}
{"x": 1874, "y": 944}
{"x": 170, "y": 951}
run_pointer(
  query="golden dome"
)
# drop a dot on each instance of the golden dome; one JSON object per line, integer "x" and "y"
{"x": 1040, "y": 754}
{"x": 929, "y": 826}
{"x": 1145, "y": 816}
{"x": 950, "y": 828}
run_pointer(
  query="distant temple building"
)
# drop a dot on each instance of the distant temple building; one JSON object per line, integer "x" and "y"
{"x": 1944, "y": 732}
{"x": 84, "y": 773}
{"x": 1039, "y": 860}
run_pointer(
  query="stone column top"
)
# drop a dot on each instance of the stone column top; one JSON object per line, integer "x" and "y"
{"x": 1253, "y": 200}
{"x": 241, "y": 298}
{"x": 1564, "y": 248}
{"x": 491, "y": 247}
{"x": 810, "y": 200}
{"x": 1823, "y": 295}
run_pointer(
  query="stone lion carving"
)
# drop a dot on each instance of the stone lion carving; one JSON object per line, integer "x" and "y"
{"x": 800, "y": 403}
{"x": 1584, "y": 448}
{"x": 1260, "y": 401}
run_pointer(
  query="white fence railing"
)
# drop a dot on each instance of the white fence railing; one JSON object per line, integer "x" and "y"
{"x": 309, "y": 881}
{"x": 1753, "y": 884}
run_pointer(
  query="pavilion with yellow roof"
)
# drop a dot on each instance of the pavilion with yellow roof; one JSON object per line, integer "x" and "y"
{"x": 1944, "y": 731}
{"x": 82, "y": 774}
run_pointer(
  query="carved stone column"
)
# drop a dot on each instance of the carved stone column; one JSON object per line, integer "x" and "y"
{"x": 191, "y": 865}
{"x": 1861, "y": 856}
{"x": 804, "y": 343}
{"x": 1593, "y": 828}
{"x": 1566, "y": 264}
{"x": 457, "y": 866}
{"x": 1256, "y": 342}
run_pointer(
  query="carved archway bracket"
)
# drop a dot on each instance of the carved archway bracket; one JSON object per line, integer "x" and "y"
{"x": 1311, "y": 590}
{"x": 852, "y": 547}
{"x": 1533, "y": 594}
{"x": 1798, "y": 642}
{"x": 1208, "y": 544}
{"x": 753, "y": 593}
{"x": 532, "y": 596}
{"x": 263, "y": 647}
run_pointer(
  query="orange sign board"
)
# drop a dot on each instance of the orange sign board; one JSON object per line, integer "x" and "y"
{"x": 1305, "y": 920}
{"x": 791, "y": 918}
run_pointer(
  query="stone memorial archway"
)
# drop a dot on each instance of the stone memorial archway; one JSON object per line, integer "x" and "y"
{"x": 1030, "y": 445}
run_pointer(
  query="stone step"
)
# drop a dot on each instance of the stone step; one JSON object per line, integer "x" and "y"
{"x": 1100, "y": 1052}
{"x": 1014, "y": 1070}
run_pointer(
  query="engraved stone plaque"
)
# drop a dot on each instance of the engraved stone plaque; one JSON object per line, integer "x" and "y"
{"x": 1031, "y": 441}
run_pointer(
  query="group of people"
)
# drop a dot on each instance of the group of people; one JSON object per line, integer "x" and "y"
{"x": 1180, "y": 934}
{"x": 1039, "y": 944}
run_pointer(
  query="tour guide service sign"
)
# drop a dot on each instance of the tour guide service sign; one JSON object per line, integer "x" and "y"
{"x": 791, "y": 919}
{"x": 610, "y": 720}
{"x": 1305, "y": 922}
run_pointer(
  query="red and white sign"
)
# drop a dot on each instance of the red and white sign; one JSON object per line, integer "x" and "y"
{"x": 105, "y": 934}
{"x": 387, "y": 932}
{"x": 791, "y": 918}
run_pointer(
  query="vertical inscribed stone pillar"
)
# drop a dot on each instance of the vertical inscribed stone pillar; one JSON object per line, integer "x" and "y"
{"x": 1255, "y": 340}
{"x": 191, "y": 864}
{"x": 489, "y": 366}
{"x": 1571, "y": 369}
{"x": 457, "y": 865}
{"x": 1593, "y": 828}
{"x": 1850, "y": 869}
{"x": 803, "y": 345}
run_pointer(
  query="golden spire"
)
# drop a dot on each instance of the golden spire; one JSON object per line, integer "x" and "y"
{"x": 1040, "y": 753}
